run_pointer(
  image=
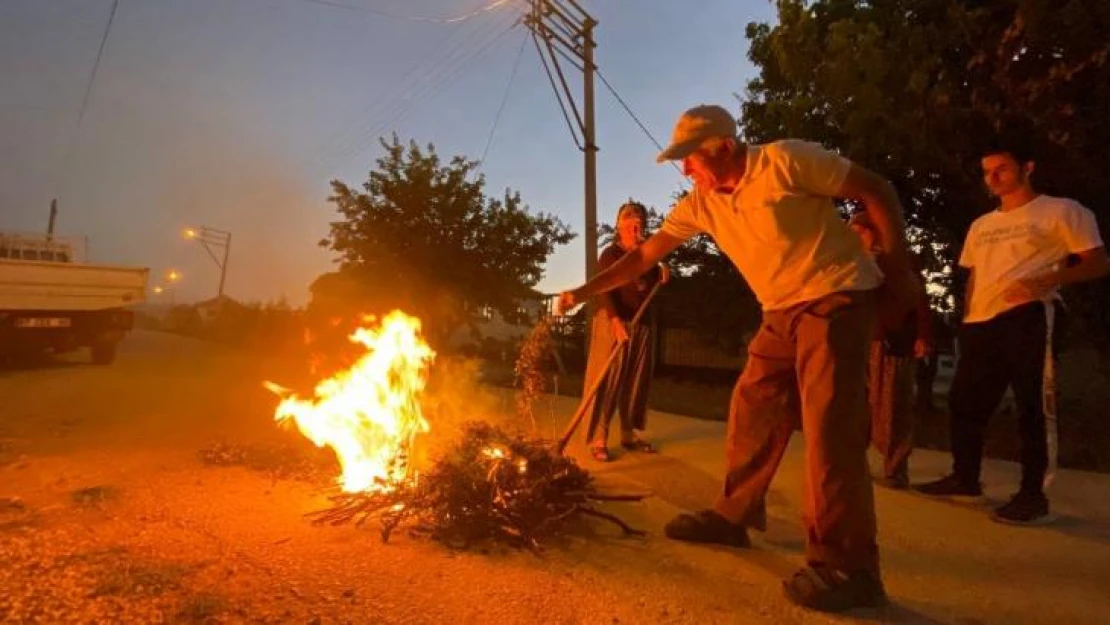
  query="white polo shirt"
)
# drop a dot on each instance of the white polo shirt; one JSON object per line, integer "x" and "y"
{"x": 780, "y": 227}
{"x": 1003, "y": 247}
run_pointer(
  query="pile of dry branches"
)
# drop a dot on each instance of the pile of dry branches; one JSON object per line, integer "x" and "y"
{"x": 492, "y": 487}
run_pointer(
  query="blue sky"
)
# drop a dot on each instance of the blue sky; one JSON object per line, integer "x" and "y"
{"x": 235, "y": 114}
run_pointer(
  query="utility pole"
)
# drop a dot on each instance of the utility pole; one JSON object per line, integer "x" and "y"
{"x": 590, "y": 134}
{"x": 223, "y": 266}
{"x": 53, "y": 217}
{"x": 213, "y": 238}
{"x": 561, "y": 29}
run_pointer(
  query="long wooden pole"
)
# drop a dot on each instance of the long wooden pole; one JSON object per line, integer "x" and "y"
{"x": 592, "y": 391}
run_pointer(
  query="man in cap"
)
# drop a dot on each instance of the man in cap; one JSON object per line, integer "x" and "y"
{"x": 770, "y": 210}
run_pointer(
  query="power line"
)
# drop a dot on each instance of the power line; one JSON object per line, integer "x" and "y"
{"x": 636, "y": 119}
{"x": 558, "y": 93}
{"x": 504, "y": 99}
{"x": 63, "y": 174}
{"x": 486, "y": 8}
{"x": 96, "y": 64}
{"x": 364, "y": 121}
{"x": 445, "y": 77}
{"x": 397, "y": 109}
{"x": 348, "y": 139}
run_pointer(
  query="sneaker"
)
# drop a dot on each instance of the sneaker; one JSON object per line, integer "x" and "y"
{"x": 707, "y": 526}
{"x": 950, "y": 487}
{"x": 826, "y": 589}
{"x": 1024, "y": 509}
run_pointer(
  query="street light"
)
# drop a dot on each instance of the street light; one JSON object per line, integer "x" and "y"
{"x": 168, "y": 291}
{"x": 213, "y": 239}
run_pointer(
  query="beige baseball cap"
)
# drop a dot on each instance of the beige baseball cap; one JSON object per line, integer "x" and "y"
{"x": 705, "y": 121}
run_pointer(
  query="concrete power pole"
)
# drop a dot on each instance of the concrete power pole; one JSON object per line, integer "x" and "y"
{"x": 561, "y": 29}
{"x": 53, "y": 218}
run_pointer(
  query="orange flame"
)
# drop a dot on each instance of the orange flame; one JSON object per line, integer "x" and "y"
{"x": 370, "y": 413}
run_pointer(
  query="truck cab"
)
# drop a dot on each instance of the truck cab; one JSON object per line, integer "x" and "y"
{"x": 50, "y": 300}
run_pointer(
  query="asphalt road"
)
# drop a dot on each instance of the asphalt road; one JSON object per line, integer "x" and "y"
{"x": 108, "y": 514}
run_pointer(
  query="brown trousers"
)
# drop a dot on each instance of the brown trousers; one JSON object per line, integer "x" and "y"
{"x": 890, "y": 396}
{"x": 808, "y": 363}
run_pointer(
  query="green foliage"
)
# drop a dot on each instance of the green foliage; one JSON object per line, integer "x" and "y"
{"x": 914, "y": 88}
{"x": 422, "y": 235}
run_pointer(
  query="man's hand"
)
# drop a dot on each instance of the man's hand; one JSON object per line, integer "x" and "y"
{"x": 923, "y": 349}
{"x": 1029, "y": 289}
{"x": 631, "y": 266}
{"x": 567, "y": 301}
{"x": 618, "y": 329}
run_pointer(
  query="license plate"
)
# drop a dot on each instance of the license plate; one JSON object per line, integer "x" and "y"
{"x": 43, "y": 322}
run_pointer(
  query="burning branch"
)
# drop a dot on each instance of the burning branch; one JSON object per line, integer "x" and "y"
{"x": 490, "y": 488}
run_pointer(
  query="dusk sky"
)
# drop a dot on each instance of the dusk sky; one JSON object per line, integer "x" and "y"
{"x": 235, "y": 114}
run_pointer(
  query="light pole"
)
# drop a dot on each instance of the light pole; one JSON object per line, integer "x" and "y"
{"x": 213, "y": 239}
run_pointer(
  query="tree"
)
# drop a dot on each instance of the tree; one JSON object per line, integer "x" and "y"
{"x": 913, "y": 88}
{"x": 423, "y": 236}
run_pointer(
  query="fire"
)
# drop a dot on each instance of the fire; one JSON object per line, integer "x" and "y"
{"x": 369, "y": 414}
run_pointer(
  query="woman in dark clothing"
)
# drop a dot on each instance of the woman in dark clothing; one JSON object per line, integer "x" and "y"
{"x": 890, "y": 376}
{"x": 627, "y": 381}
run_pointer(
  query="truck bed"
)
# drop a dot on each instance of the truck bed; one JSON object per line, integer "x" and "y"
{"x": 45, "y": 286}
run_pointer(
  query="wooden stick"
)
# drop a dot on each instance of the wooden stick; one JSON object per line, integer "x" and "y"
{"x": 615, "y": 497}
{"x": 589, "y": 395}
{"x": 628, "y": 529}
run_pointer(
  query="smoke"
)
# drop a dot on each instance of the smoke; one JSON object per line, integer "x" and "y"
{"x": 455, "y": 396}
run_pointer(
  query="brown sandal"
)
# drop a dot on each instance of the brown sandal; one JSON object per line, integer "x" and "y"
{"x": 600, "y": 453}
{"x": 828, "y": 590}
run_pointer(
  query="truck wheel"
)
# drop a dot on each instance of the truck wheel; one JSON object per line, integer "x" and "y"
{"x": 103, "y": 353}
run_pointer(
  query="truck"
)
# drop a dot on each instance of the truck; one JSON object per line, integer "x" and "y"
{"x": 51, "y": 300}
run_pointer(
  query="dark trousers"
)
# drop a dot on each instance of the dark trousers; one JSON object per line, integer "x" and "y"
{"x": 1008, "y": 350}
{"x": 627, "y": 383}
{"x": 925, "y": 376}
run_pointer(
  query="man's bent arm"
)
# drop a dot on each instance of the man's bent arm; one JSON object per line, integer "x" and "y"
{"x": 968, "y": 291}
{"x": 1093, "y": 264}
{"x": 631, "y": 266}
{"x": 881, "y": 204}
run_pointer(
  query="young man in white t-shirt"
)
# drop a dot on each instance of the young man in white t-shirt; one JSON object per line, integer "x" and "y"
{"x": 1016, "y": 257}
{"x": 770, "y": 209}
